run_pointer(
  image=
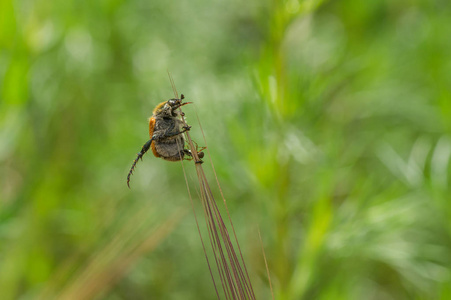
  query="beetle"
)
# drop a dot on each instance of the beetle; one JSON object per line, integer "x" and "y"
{"x": 166, "y": 134}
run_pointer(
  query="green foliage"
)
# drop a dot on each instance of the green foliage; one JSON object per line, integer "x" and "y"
{"x": 329, "y": 123}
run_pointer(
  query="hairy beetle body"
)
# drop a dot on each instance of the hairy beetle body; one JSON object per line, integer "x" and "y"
{"x": 166, "y": 138}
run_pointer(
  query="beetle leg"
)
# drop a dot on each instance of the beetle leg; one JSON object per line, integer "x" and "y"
{"x": 188, "y": 154}
{"x": 144, "y": 149}
{"x": 200, "y": 154}
{"x": 159, "y": 137}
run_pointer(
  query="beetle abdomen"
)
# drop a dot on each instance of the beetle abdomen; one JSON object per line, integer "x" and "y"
{"x": 169, "y": 149}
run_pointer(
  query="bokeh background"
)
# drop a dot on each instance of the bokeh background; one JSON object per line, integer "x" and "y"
{"x": 329, "y": 124}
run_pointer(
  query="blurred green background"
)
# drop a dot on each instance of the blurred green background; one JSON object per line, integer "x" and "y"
{"x": 329, "y": 124}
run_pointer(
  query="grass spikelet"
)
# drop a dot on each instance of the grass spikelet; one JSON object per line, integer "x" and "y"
{"x": 231, "y": 267}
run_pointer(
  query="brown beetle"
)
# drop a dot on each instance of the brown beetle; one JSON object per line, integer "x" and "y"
{"x": 166, "y": 134}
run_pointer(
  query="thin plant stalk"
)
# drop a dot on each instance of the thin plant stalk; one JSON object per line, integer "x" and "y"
{"x": 235, "y": 281}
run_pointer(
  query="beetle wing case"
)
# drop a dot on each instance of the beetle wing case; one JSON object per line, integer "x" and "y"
{"x": 151, "y": 130}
